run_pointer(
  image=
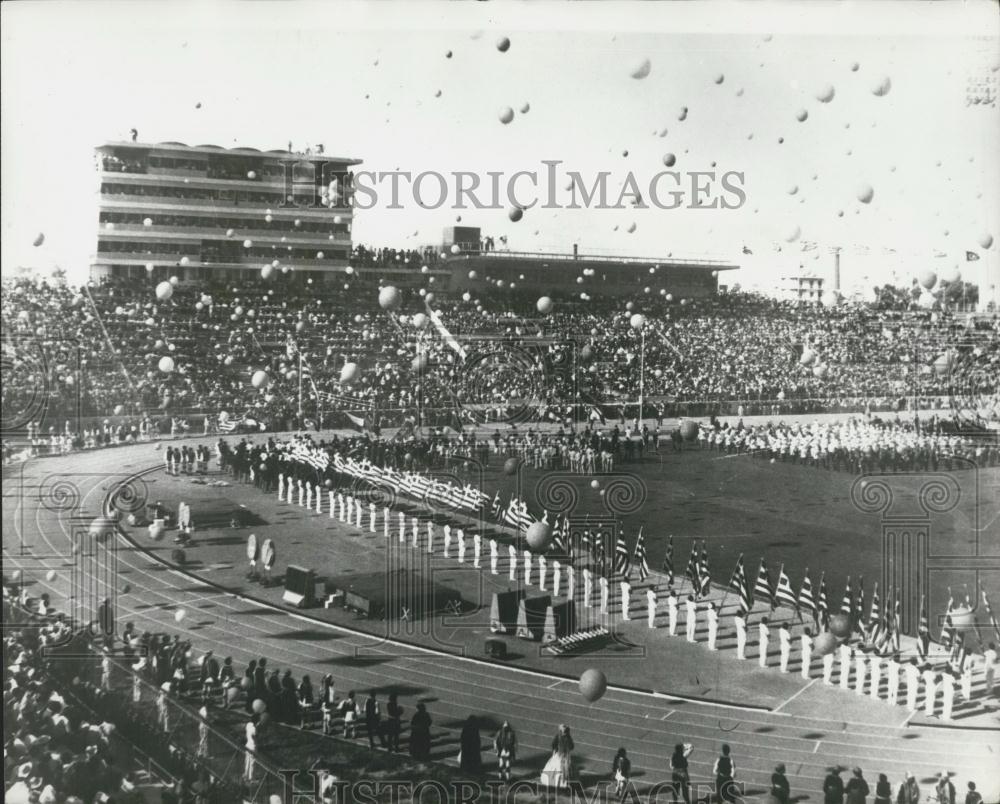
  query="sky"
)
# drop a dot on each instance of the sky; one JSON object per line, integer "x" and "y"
{"x": 363, "y": 79}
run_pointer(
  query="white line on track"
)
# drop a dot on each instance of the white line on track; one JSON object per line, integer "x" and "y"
{"x": 783, "y": 704}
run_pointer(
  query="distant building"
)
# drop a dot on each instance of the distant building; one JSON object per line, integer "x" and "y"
{"x": 804, "y": 286}
{"x": 478, "y": 262}
{"x": 199, "y": 212}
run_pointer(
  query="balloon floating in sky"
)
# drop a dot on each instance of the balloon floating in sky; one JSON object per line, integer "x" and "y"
{"x": 539, "y": 536}
{"x": 593, "y": 685}
{"x": 544, "y": 305}
{"x": 801, "y": 115}
{"x": 179, "y": 615}
{"x": 793, "y": 189}
{"x": 506, "y": 115}
{"x": 865, "y": 193}
{"x": 985, "y": 240}
{"x": 882, "y": 86}
{"x": 503, "y": 44}
{"x": 825, "y": 93}
{"x": 248, "y": 244}
{"x": 641, "y": 68}
{"x": 515, "y": 214}
{"x": 683, "y": 113}
{"x": 637, "y": 321}
{"x": 164, "y": 291}
{"x": 456, "y": 249}
{"x": 251, "y": 175}
{"x": 389, "y": 298}
{"x": 793, "y": 234}
{"x": 39, "y": 239}
{"x": 854, "y": 66}
{"x": 525, "y": 107}
{"x": 631, "y": 228}
{"x": 348, "y": 372}
{"x": 259, "y": 379}
{"x": 166, "y": 364}
{"x": 669, "y": 160}
{"x": 927, "y": 279}
{"x": 720, "y": 78}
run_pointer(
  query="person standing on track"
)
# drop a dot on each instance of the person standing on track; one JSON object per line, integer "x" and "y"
{"x": 373, "y": 720}
{"x": 780, "y": 789}
{"x": 785, "y": 645}
{"x": 420, "y": 733}
{"x": 740, "y": 621}
{"x": 725, "y": 771}
{"x": 679, "y": 776}
{"x": 883, "y": 790}
{"x": 856, "y": 788}
{"x": 505, "y": 744}
{"x": 833, "y": 787}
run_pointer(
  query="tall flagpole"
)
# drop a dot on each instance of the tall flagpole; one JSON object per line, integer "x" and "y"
{"x": 642, "y": 371}
{"x": 300, "y": 387}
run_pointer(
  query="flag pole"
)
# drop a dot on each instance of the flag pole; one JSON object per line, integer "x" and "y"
{"x": 730, "y": 584}
{"x": 300, "y": 387}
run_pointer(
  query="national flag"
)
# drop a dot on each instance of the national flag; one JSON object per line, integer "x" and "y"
{"x": 806, "y": 600}
{"x": 847, "y": 603}
{"x": 525, "y": 520}
{"x": 228, "y": 425}
{"x": 784, "y": 593}
{"x": 859, "y": 609}
{"x": 948, "y": 629}
{"x": 692, "y": 567}
{"x": 971, "y": 256}
{"x": 668, "y": 560}
{"x": 496, "y": 508}
{"x": 822, "y": 606}
{"x": 873, "y": 627}
{"x": 762, "y": 587}
{"x": 359, "y": 422}
{"x": 897, "y": 618}
{"x": 923, "y": 630}
{"x": 739, "y": 584}
{"x": 639, "y": 558}
{"x": 621, "y": 557}
{"x": 704, "y": 576}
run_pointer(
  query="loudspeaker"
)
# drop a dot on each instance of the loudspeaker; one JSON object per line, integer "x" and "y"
{"x": 495, "y": 648}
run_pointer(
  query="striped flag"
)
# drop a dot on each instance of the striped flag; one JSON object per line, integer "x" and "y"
{"x": 923, "y": 630}
{"x": 784, "y": 593}
{"x": 762, "y": 588}
{"x": 586, "y": 545}
{"x": 668, "y": 560}
{"x": 806, "y": 600}
{"x": 822, "y": 606}
{"x": 859, "y": 610}
{"x": 847, "y": 604}
{"x": 692, "y": 567}
{"x": 639, "y": 557}
{"x": 704, "y": 576}
{"x": 496, "y": 508}
{"x": 739, "y": 584}
{"x": 897, "y": 618}
{"x": 621, "y": 557}
{"x": 948, "y": 629}
{"x": 873, "y": 628}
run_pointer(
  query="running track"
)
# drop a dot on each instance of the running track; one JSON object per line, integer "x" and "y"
{"x": 37, "y": 528}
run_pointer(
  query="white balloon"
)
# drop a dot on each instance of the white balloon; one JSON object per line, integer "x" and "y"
{"x": 640, "y": 68}
{"x": 164, "y": 291}
{"x": 865, "y": 193}
{"x": 505, "y": 115}
{"x": 348, "y": 372}
{"x": 637, "y": 321}
{"x": 166, "y": 364}
{"x": 544, "y": 305}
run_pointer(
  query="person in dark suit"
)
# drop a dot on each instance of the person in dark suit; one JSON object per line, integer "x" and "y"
{"x": 393, "y": 723}
{"x": 420, "y": 734}
{"x": 833, "y": 787}
{"x": 373, "y": 719}
{"x": 471, "y": 747}
{"x": 857, "y": 788}
{"x": 780, "y": 788}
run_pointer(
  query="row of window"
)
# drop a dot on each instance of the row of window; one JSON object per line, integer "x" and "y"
{"x": 257, "y": 223}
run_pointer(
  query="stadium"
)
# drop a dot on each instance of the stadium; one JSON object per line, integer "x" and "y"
{"x": 293, "y": 516}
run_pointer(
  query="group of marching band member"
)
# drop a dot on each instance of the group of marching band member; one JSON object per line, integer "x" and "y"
{"x": 861, "y": 667}
{"x": 853, "y": 445}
